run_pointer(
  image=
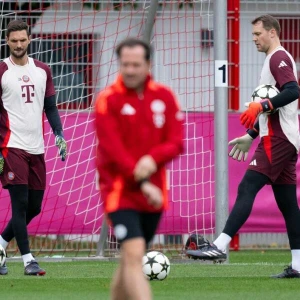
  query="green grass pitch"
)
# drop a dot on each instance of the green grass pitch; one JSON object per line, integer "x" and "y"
{"x": 246, "y": 277}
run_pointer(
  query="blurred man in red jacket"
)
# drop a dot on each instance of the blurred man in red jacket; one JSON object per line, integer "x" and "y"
{"x": 139, "y": 127}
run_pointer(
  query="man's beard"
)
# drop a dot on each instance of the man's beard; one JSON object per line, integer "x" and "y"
{"x": 19, "y": 54}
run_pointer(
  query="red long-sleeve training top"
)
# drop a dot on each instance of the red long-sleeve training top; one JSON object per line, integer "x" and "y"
{"x": 128, "y": 127}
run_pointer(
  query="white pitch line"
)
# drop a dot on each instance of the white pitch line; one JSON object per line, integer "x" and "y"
{"x": 230, "y": 264}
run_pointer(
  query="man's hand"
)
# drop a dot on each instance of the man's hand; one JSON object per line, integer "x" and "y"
{"x": 144, "y": 168}
{"x": 1, "y": 164}
{"x": 153, "y": 194}
{"x": 249, "y": 116}
{"x": 241, "y": 147}
{"x": 62, "y": 146}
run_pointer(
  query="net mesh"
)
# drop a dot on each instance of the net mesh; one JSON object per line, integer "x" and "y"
{"x": 77, "y": 40}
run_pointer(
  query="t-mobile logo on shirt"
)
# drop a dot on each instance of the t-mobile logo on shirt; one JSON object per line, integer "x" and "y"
{"x": 27, "y": 92}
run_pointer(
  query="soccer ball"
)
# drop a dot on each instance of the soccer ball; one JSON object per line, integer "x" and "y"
{"x": 264, "y": 91}
{"x": 2, "y": 256}
{"x": 156, "y": 266}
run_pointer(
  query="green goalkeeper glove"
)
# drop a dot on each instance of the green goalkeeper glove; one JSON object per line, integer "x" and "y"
{"x": 62, "y": 146}
{"x": 1, "y": 164}
{"x": 241, "y": 147}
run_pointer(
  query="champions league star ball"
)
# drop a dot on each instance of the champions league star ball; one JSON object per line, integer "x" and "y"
{"x": 156, "y": 266}
{"x": 264, "y": 91}
{"x": 2, "y": 256}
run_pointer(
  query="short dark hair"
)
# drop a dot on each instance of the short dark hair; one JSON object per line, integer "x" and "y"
{"x": 133, "y": 42}
{"x": 17, "y": 25}
{"x": 269, "y": 23}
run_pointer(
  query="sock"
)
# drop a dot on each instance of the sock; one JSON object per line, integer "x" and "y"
{"x": 3, "y": 242}
{"x": 27, "y": 258}
{"x": 296, "y": 259}
{"x": 222, "y": 241}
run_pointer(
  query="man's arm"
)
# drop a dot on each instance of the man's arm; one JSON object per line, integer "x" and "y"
{"x": 289, "y": 93}
{"x": 110, "y": 143}
{"x": 173, "y": 144}
{"x": 52, "y": 115}
{"x": 50, "y": 107}
{"x": 254, "y": 132}
{"x": 281, "y": 68}
{"x": 51, "y": 112}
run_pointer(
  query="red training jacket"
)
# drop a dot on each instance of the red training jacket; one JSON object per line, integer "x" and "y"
{"x": 129, "y": 126}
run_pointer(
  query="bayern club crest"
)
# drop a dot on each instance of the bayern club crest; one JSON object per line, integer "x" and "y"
{"x": 11, "y": 176}
{"x": 25, "y": 78}
{"x": 158, "y": 106}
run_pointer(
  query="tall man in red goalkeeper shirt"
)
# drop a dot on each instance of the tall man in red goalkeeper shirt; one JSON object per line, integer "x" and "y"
{"x": 139, "y": 127}
{"x": 26, "y": 92}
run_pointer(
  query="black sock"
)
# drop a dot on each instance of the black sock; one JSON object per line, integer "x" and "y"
{"x": 286, "y": 198}
{"x": 35, "y": 198}
{"x": 250, "y": 185}
{"x": 19, "y": 203}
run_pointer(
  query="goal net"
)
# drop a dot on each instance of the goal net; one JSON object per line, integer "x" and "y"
{"x": 77, "y": 40}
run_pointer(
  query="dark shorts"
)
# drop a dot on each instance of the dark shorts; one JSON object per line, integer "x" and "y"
{"x": 20, "y": 167}
{"x": 275, "y": 158}
{"x": 130, "y": 224}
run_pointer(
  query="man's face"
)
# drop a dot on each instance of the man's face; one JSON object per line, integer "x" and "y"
{"x": 262, "y": 37}
{"x": 134, "y": 68}
{"x": 18, "y": 42}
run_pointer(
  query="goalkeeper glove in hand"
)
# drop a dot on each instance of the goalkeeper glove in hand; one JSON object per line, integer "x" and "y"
{"x": 62, "y": 146}
{"x": 241, "y": 147}
{"x": 249, "y": 116}
{"x": 1, "y": 164}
